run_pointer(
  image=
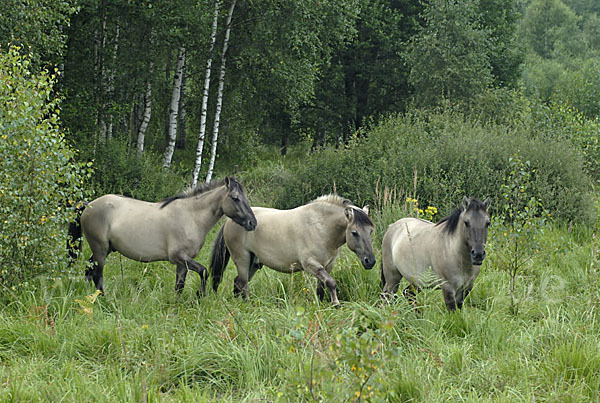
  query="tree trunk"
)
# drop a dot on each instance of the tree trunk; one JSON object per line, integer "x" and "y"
{"x": 213, "y": 151}
{"x": 200, "y": 147}
{"x": 180, "y": 143}
{"x": 147, "y": 112}
{"x": 173, "y": 112}
{"x": 111, "y": 85}
{"x": 100, "y": 45}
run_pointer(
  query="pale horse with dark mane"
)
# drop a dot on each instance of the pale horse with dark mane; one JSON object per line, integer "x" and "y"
{"x": 309, "y": 238}
{"x": 448, "y": 254}
{"x": 173, "y": 229}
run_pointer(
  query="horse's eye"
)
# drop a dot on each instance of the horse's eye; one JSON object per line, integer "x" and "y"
{"x": 487, "y": 223}
{"x": 235, "y": 199}
{"x": 467, "y": 224}
{"x": 355, "y": 234}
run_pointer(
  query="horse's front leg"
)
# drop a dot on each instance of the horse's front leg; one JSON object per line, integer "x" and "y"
{"x": 317, "y": 270}
{"x": 185, "y": 263}
{"x": 449, "y": 297}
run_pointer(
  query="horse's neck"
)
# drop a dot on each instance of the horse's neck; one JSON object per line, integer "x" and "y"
{"x": 334, "y": 224}
{"x": 455, "y": 241}
{"x": 207, "y": 207}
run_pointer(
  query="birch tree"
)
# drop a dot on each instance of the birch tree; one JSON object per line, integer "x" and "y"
{"x": 111, "y": 83}
{"x": 200, "y": 146}
{"x": 181, "y": 126}
{"x": 213, "y": 152}
{"x": 174, "y": 110}
{"x": 147, "y": 112}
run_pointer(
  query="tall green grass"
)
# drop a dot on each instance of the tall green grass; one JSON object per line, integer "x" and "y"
{"x": 142, "y": 343}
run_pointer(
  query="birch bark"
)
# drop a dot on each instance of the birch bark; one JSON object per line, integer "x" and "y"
{"x": 174, "y": 110}
{"x": 213, "y": 152}
{"x": 200, "y": 147}
{"x": 141, "y": 135}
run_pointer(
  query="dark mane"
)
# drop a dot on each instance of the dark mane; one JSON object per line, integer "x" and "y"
{"x": 203, "y": 188}
{"x": 451, "y": 221}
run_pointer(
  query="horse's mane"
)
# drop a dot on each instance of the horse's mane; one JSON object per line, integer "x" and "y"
{"x": 202, "y": 188}
{"x": 360, "y": 216}
{"x": 451, "y": 222}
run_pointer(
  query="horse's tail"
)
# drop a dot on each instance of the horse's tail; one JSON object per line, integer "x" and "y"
{"x": 74, "y": 239}
{"x": 382, "y": 275}
{"x": 219, "y": 258}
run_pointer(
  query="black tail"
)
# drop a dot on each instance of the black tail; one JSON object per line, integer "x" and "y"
{"x": 218, "y": 260}
{"x": 74, "y": 240}
{"x": 382, "y": 275}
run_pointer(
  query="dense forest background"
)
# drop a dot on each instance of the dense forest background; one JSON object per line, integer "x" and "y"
{"x": 429, "y": 99}
{"x": 132, "y": 75}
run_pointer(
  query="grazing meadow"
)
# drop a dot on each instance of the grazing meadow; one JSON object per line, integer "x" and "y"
{"x": 139, "y": 342}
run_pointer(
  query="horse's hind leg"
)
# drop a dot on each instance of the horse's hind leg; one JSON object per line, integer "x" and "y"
{"x": 97, "y": 269}
{"x": 245, "y": 268}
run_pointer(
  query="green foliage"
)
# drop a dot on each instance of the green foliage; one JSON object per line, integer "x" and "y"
{"x": 548, "y": 27}
{"x": 37, "y": 27}
{"x": 519, "y": 220}
{"x": 449, "y": 57}
{"x": 119, "y": 170}
{"x": 443, "y": 157}
{"x": 39, "y": 180}
{"x": 563, "y": 121}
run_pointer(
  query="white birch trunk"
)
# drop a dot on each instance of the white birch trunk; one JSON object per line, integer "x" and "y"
{"x": 147, "y": 113}
{"x": 213, "y": 151}
{"x": 181, "y": 123}
{"x": 200, "y": 148}
{"x": 111, "y": 84}
{"x": 172, "y": 134}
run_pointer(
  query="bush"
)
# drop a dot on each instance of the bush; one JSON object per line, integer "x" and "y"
{"x": 120, "y": 171}
{"x": 39, "y": 179}
{"x": 439, "y": 158}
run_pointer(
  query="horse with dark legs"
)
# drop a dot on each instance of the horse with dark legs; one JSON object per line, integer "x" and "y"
{"x": 447, "y": 255}
{"x": 309, "y": 238}
{"x": 173, "y": 230}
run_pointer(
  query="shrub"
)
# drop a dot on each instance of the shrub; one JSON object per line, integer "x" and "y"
{"x": 442, "y": 157}
{"x": 120, "y": 171}
{"x": 39, "y": 179}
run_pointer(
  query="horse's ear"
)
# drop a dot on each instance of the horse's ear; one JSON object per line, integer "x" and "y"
{"x": 366, "y": 209}
{"x": 487, "y": 203}
{"x": 349, "y": 213}
{"x": 227, "y": 181}
{"x": 465, "y": 203}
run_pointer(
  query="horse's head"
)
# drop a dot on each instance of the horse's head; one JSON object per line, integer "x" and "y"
{"x": 235, "y": 205}
{"x": 358, "y": 235}
{"x": 475, "y": 217}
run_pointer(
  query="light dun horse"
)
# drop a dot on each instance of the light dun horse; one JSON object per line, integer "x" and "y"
{"x": 173, "y": 230}
{"x": 307, "y": 238}
{"x": 448, "y": 254}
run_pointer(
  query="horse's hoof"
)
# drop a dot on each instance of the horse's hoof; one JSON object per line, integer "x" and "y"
{"x": 337, "y": 306}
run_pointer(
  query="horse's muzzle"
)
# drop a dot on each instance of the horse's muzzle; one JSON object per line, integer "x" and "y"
{"x": 250, "y": 225}
{"x": 368, "y": 262}
{"x": 477, "y": 257}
